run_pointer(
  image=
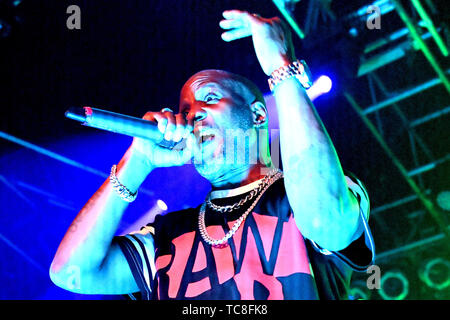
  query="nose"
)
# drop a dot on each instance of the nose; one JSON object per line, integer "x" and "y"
{"x": 200, "y": 115}
{"x": 197, "y": 112}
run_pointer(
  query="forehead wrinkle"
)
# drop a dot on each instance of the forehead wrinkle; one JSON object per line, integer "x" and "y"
{"x": 199, "y": 82}
{"x": 200, "y": 89}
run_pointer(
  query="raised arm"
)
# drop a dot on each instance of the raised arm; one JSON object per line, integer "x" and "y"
{"x": 324, "y": 209}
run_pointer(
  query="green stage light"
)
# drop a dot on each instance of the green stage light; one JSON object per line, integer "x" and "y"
{"x": 394, "y": 286}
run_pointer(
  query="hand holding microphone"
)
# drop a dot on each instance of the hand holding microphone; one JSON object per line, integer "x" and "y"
{"x": 162, "y": 138}
{"x": 177, "y": 134}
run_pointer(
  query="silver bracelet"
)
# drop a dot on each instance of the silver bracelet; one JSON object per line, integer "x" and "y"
{"x": 298, "y": 69}
{"x": 119, "y": 188}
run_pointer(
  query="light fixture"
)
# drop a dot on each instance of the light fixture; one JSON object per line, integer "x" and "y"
{"x": 322, "y": 85}
{"x": 161, "y": 204}
{"x": 436, "y": 273}
{"x": 358, "y": 291}
{"x": 443, "y": 200}
{"x": 394, "y": 286}
{"x": 158, "y": 208}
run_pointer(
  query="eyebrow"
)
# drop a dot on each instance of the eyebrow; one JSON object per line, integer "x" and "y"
{"x": 200, "y": 90}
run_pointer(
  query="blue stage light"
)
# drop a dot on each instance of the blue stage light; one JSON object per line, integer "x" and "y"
{"x": 162, "y": 205}
{"x": 324, "y": 84}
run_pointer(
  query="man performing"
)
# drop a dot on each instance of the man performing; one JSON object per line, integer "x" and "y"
{"x": 260, "y": 233}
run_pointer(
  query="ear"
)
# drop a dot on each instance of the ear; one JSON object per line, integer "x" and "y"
{"x": 259, "y": 113}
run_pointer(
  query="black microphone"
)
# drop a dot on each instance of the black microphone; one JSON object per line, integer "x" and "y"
{"x": 119, "y": 123}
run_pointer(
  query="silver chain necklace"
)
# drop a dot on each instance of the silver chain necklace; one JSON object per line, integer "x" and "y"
{"x": 248, "y": 197}
{"x": 265, "y": 183}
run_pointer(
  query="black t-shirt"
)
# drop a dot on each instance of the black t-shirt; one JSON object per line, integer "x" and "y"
{"x": 267, "y": 258}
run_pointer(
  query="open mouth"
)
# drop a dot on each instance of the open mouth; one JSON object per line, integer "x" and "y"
{"x": 204, "y": 134}
{"x": 205, "y": 137}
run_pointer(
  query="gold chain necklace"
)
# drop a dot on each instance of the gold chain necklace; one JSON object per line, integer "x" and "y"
{"x": 221, "y": 243}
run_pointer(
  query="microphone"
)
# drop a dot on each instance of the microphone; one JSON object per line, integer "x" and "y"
{"x": 119, "y": 123}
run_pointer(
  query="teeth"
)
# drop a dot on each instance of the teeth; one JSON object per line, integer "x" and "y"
{"x": 205, "y": 137}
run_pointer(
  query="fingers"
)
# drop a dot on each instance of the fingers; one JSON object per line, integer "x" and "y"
{"x": 189, "y": 127}
{"x": 174, "y": 127}
{"x": 238, "y": 23}
{"x": 230, "y": 24}
{"x": 236, "y": 14}
{"x": 236, "y": 34}
{"x": 180, "y": 127}
{"x": 166, "y": 123}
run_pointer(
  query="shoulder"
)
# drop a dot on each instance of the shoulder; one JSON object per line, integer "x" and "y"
{"x": 174, "y": 223}
{"x": 174, "y": 216}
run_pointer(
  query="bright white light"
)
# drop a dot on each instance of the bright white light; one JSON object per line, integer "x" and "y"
{"x": 321, "y": 86}
{"x": 161, "y": 204}
{"x": 324, "y": 83}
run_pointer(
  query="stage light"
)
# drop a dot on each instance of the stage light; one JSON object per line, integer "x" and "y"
{"x": 157, "y": 209}
{"x": 443, "y": 200}
{"x": 161, "y": 204}
{"x": 5, "y": 29}
{"x": 322, "y": 85}
{"x": 436, "y": 273}
{"x": 358, "y": 291}
{"x": 394, "y": 286}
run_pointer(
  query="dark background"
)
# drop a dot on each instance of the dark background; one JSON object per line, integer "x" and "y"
{"x": 134, "y": 56}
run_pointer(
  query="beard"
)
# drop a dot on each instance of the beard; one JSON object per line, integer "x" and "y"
{"x": 233, "y": 149}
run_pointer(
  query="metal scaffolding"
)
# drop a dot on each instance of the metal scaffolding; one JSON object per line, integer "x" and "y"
{"x": 418, "y": 31}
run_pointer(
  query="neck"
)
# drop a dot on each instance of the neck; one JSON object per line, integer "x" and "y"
{"x": 237, "y": 177}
